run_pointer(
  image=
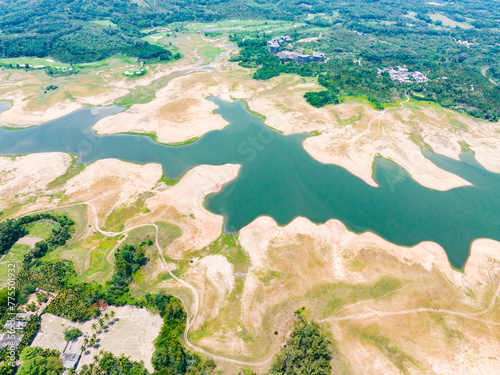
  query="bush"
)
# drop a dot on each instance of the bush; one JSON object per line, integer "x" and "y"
{"x": 10, "y": 232}
{"x": 71, "y": 334}
{"x": 322, "y": 98}
{"x": 41, "y": 297}
{"x": 38, "y": 361}
{"x": 106, "y": 363}
{"x": 306, "y": 351}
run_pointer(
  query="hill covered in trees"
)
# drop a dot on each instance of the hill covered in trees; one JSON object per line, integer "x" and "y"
{"x": 77, "y": 31}
{"x": 456, "y": 44}
{"x": 88, "y": 30}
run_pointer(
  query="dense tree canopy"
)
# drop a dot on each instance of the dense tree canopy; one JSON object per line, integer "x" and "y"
{"x": 10, "y": 232}
{"x": 38, "y": 361}
{"x": 357, "y": 36}
{"x": 306, "y": 352}
{"x": 106, "y": 363}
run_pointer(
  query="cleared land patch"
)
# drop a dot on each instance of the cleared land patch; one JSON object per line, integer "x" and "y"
{"x": 132, "y": 333}
{"x": 449, "y": 22}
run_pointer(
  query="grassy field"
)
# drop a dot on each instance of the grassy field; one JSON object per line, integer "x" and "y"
{"x": 419, "y": 141}
{"x": 15, "y": 254}
{"x": 138, "y": 235}
{"x": 330, "y": 298}
{"x": 449, "y": 22}
{"x": 389, "y": 348}
{"x": 237, "y": 26}
{"x": 71, "y": 172}
{"x": 104, "y": 23}
{"x": 100, "y": 264}
{"x": 167, "y": 233}
{"x": 79, "y": 215}
{"x": 41, "y": 229}
{"x": 118, "y": 217}
{"x": 144, "y": 94}
{"x": 35, "y": 61}
{"x": 210, "y": 53}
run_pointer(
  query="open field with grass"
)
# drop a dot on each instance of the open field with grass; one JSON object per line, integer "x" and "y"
{"x": 234, "y": 26}
{"x": 35, "y": 62}
{"x": 104, "y": 23}
{"x": 14, "y": 256}
{"x": 42, "y": 229}
{"x": 449, "y": 22}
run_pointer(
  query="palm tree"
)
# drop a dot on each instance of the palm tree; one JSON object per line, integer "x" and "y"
{"x": 94, "y": 326}
{"x": 112, "y": 313}
{"x": 93, "y": 340}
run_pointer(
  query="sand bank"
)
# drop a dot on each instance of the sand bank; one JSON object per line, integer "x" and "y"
{"x": 182, "y": 204}
{"x": 24, "y": 176}
{"x": 177, "y": 114}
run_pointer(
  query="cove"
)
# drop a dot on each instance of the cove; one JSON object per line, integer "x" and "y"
{"x": 278, "y": 178}
{"x": 4, "y": 106}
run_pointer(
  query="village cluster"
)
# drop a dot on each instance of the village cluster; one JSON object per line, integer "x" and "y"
{"x": 403, "y": 75}
{"x": 274, "y": 47}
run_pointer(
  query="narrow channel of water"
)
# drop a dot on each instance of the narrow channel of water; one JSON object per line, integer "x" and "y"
{"x": 280, "y": 179}
{"x": 4, "y": 106}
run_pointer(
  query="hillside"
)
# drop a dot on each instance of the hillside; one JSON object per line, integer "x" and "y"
{"x": 456, "y": 44}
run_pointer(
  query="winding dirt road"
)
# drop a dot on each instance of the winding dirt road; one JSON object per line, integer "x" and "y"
{"x": 192, "y": 318}
{"x": 377, "y": 314}
{"x": 368, "y": 129}
{"x": 368, "y": 314}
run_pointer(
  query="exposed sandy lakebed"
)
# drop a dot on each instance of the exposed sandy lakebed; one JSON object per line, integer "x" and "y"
{"x": 300, "y": 264}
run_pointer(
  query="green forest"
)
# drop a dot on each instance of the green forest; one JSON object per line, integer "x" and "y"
{"x": 454, "y": 71}
{"x": 456, "y": 45}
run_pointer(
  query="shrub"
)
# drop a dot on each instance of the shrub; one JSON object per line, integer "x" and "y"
{"x": 71, "y": 334}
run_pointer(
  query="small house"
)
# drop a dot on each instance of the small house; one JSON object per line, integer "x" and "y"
{"x": 318, "y": 56}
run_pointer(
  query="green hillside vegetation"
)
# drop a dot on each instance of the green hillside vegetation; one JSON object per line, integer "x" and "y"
{"x": 357, "y": 37}
{"x": 38, "y": 361}
{"x": 64, "y": 31}
{"x": 307, "y": 351}
{"x": 81, "y": 301}
{"x": 454, "y": 71}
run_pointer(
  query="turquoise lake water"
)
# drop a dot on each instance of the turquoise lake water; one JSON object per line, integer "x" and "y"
{"x": 280, "y": 179}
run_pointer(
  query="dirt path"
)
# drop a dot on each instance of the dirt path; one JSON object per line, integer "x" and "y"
{"x": 484, "y": 69}
{"x": 376, "y": 314}
{"x": 193, "y": 316}
{"x": 368, "y": 314}
{"x": 368, "y": 130}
